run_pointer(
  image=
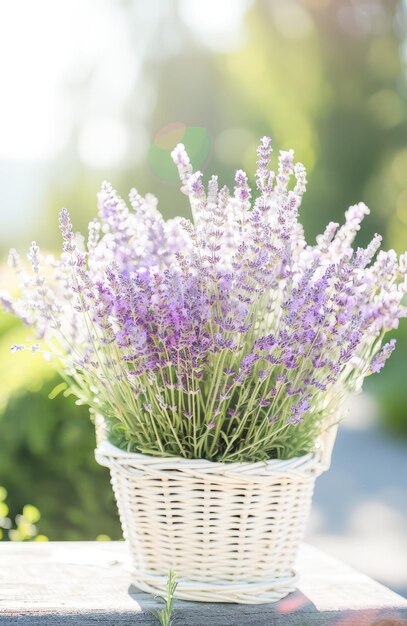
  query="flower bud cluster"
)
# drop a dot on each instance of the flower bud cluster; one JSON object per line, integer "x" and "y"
{"x": 227, "y": 337}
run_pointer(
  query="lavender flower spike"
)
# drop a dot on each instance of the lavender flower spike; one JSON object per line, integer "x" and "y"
{"x": 381, "y": 358}
{"x": 223, "y": 337}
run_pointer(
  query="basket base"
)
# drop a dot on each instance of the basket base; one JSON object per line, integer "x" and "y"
{"x": 232, "y": 592}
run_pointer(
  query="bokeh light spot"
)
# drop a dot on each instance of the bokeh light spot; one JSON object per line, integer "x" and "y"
{"x": 196, "y": 141}
{"x": 399, "y": 167}
{"x": 402, "y": 206}
{"x": 317, "y": 4}
{"x": 219, "y": 25}
{"x": 292, "y": 603}
{"x": 387, "y": 108}
{"x": 170, "y": 135}
{"x": 291, "y": 19}
{"x": 397, "y": 233}
{"x": 384, "y": 57}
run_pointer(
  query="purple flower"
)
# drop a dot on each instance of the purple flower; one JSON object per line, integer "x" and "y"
{"x": 17, "y": 347}
{"x": 381, "y": 357}
{"x": 168, "y": 325}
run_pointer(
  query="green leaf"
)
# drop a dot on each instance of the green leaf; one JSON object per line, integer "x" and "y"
{"x": 57, "y": 390}
{"x": 31, "y": 513}
{"x": 4, "y": 510}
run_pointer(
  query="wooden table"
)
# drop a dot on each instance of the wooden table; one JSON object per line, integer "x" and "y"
{"x": 86, "y": 583}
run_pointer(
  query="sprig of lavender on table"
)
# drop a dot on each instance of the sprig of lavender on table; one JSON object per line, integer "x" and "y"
{"x": 164, "y": 615}
{"x": 227, "y": 337}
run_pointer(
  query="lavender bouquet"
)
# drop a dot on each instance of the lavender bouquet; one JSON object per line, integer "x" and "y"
{"x": 226, "y": 338}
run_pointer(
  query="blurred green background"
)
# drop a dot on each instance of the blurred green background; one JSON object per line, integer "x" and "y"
{"x": 103, "y": 89}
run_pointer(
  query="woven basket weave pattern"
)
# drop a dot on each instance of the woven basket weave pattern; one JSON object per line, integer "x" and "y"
{"x": 230, "y": 532}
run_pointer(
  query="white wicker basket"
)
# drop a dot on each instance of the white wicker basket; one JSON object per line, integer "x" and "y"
{"x": 229, "y": 531}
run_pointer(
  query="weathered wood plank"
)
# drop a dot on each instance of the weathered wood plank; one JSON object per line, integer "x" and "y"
{"x": 85, "y": 583}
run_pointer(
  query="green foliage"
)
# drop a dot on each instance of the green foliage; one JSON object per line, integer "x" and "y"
{"x": 390, "y": 390}
{"x": 21, "y": 374}
{"x": 26, "y": 528}
{"x": 164, "y": 616}
{"x": 46, "y": 455}
{"x": 46, "y": 450}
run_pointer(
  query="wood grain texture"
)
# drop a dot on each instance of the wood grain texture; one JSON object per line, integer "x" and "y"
{"x": 85, "y": 583}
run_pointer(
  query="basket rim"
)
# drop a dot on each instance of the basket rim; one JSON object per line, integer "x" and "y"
{"x": 107, "y": 450}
